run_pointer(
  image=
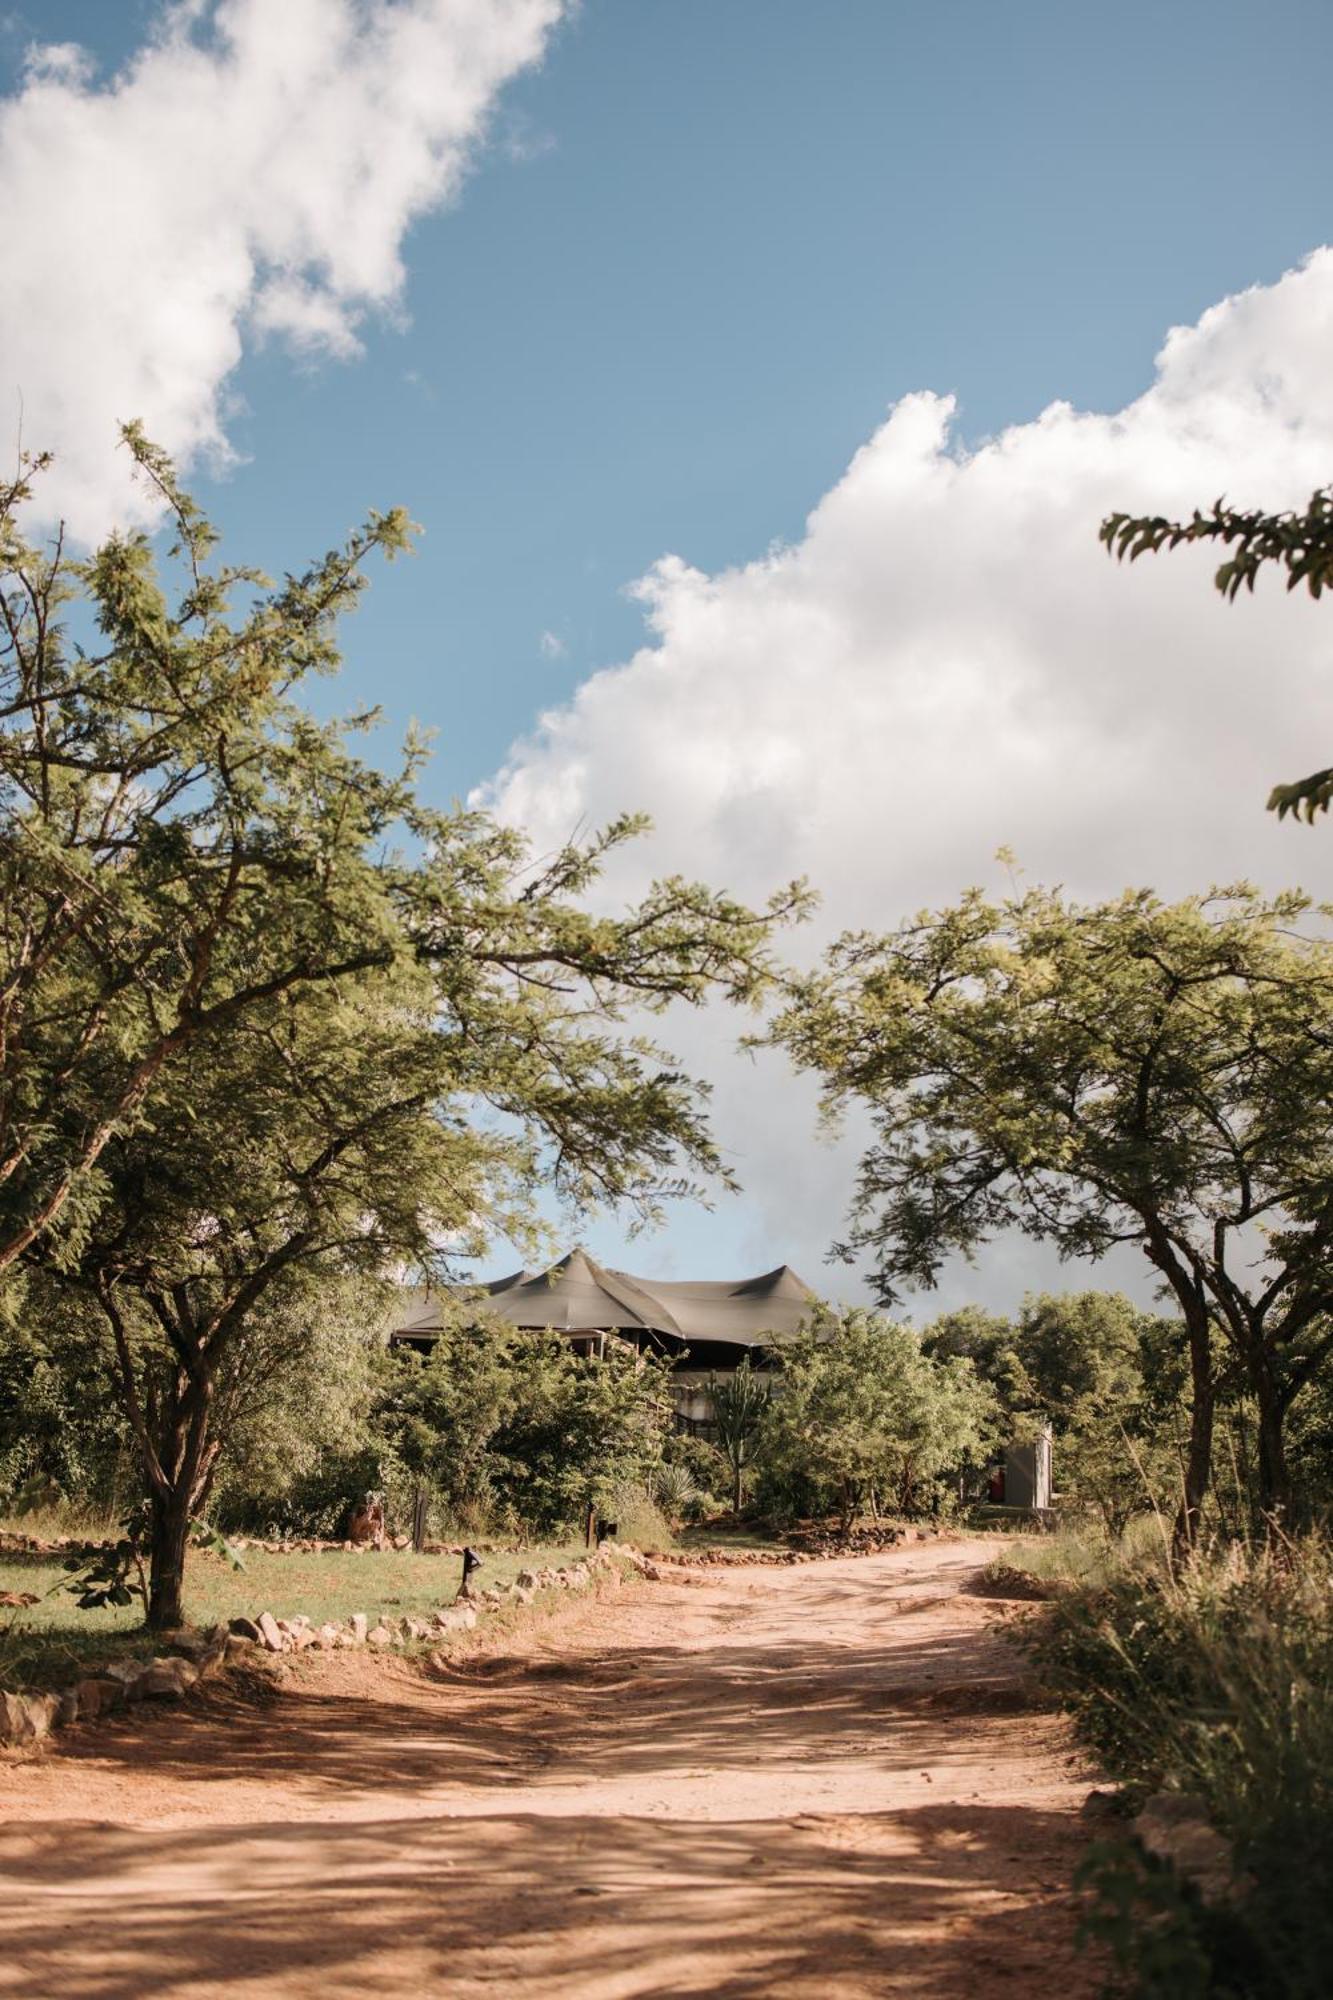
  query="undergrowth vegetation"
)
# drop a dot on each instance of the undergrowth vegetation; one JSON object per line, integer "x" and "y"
{"x": 1214, "y": 1681}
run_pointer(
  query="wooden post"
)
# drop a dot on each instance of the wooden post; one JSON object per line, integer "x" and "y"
{"x": 420, "y": 1506}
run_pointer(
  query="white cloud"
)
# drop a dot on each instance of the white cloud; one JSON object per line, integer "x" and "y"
{"x": 551, "y": 646}
{"x": 250, "y": 172}
{"x": 947, "y": 661}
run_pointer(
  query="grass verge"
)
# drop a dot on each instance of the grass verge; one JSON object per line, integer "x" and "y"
{"x": 49, "y": 1643}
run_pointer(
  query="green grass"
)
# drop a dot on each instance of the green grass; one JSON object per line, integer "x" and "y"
{"x": 1084, "y": 1555}
{"x": 50, "y": 1642}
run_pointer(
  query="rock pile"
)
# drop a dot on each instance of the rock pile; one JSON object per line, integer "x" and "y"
{"x": 190, "y": 1658}
{"x": 61, "y": 1546}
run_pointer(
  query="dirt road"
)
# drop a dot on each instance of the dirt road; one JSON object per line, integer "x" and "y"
{"x": 825, "y": 1782}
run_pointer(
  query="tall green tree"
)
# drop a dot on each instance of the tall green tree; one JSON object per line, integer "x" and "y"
{"x": 1298, "y": 542}
{"x": 253, "y": 1042}
{"x": 1130, "y": 1072}
{"x": 179, "y": 841}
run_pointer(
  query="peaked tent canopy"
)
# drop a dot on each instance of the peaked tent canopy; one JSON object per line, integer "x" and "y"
{"x": 578, "y": 1295}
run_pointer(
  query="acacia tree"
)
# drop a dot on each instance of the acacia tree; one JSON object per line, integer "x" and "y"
{"x": 1130, "y": 1072}
{"x": 387, "y": 1121}
{"x": 179, "y": 841}
{"x": 248, "y": 1039}
{"x": 1299, "y": 542}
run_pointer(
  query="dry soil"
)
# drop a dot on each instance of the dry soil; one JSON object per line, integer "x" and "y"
{"x": 825, "y": 1782}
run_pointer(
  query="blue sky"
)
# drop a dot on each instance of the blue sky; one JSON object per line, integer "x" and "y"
{"x": 708, "y": 245}
{"x": 733, "y": 234}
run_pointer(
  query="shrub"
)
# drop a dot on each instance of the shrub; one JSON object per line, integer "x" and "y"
{"x": 1218, "y": 1682}
{"x": 675, "y": 1493}
{"x": 862, "y": 1412}
{"x": 705, "y": 1464}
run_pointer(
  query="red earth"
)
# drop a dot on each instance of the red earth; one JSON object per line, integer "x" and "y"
{"x": 829, "y": 1782}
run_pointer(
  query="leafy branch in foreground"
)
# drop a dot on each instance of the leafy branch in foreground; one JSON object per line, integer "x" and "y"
{"x": 1299, "y": 542}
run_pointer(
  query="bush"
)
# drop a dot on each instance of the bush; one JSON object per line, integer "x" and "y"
{"x": 639, "y": 1520}
{"x": 575, "y": 1431}
{"x": 1219, "y": 1683}
{"x": 861, "y": 1412}
{"x": 705, "y": 1464}
{"x": 675, "y": 1493}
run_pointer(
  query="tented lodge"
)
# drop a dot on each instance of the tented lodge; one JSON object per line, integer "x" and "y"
{"x": 705, "y": 1327}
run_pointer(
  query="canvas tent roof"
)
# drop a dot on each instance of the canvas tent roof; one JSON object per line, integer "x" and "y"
{"x": 578, "y": 1295}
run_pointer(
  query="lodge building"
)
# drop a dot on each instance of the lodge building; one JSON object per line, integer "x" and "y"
{"x": 704, "y": 1327}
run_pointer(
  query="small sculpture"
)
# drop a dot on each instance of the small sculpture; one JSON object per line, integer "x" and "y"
{"x": 471, "y": 1563}
{"x": 365, "y": 1526}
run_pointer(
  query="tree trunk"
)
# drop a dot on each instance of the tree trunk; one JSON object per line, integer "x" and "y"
{"x": 171, "y": 1512}
{"x": 186, "y": 1465}
{"x": 1275, "y": 1497}
{"x": 737, "y": 1488}
{"x": 1199, "y": 1456}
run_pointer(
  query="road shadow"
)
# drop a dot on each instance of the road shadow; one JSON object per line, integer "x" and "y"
{"x": 576, "y": 1908}
{"x": 619, "y": 1711}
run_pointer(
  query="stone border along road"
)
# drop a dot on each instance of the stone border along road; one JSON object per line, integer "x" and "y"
{"x": 194, "y": 1656}
{"x": 819, "y": 1782}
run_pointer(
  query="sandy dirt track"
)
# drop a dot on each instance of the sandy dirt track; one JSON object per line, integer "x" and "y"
{"x": 825, "y": 1781}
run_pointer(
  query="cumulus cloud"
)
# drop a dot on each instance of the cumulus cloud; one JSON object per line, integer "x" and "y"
{"x": 251, "y": 172}
{"x": 947, "y": 662}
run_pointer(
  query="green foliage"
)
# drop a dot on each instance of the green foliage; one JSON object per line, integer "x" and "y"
{"x": 179, "y": 842}
{"x": 861, "y": 1410}
{"x": 705, "y": 1465}
{"x": 740, "y": 1409}
{"x": 61, "y": 1433}
{"x": 266, "y": 1019}
{"x": 988, "y": 1341}
{"x": 675, "y": 1492}
{"x": 115, "y": 1573}
{"x": 577, "y": 1430}
{"x": 1218, "y": 1682}
{"x": 1162, "y": 1938}
{"x": 1297, "y": 542}
{"x": 1103, "y": 1375}
{"x": 295, "y": 1445}
{"x": 434, "y": 1418}
{"x": 1128, "y": 1072}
